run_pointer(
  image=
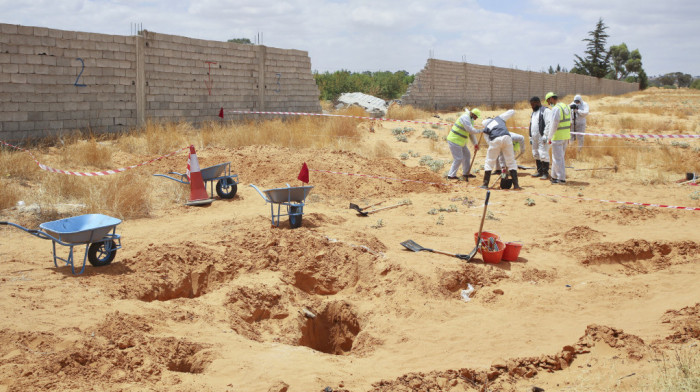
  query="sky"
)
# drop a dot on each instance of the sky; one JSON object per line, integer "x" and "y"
{"x": 393, "y": 35}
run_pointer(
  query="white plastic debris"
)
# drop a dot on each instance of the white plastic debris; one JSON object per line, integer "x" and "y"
{"x": 467, "y": 292}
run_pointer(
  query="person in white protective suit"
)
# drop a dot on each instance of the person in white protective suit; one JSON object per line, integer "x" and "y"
{"x": 518, "y": 143}
{"x": 579, "y": 112}
{"x": 457, "y": 141}
{"x": 558, "y": 135}
{"x": 500, "y": 142}
{"x": 539, "y": 121}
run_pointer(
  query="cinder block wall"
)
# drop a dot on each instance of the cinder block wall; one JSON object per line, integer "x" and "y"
{"x": 53, "y": 80}
{"x": 447, "y": 84}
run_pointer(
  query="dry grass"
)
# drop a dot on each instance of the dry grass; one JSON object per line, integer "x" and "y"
{"x": 679, "y": 371}
{"x": 9, "y": 193}
{"x": 406, "y": 112}
{"x": 87, "y": 153}
{"x": 18, "y": 164}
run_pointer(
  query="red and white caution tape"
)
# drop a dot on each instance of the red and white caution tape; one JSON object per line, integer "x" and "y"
{"x": 518, "y": 192}
{"x": 450, "y": 124}
{"x": 627, "y": 136}
{"x": 91, "y": 174}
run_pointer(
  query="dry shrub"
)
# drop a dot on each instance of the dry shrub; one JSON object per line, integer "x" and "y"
{"x": 121, "y": 195}
{"x": 18, "y": 164}
{"x": 88, "y": 153}
{"x": 58, "y": 188}
{"x": 162, "y": 138}
{"x": 406, "y": 112}
{"x": 626, "y": 122}
{"x": 381, "y": 149}
{"x": 9, "y": 194}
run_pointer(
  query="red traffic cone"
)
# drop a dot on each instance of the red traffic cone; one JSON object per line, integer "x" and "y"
{"x": 198, "y": 193}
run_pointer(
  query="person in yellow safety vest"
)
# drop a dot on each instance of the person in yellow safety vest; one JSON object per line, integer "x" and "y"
{"x": 457, "y": 141}
{"x": 558, "y": 135}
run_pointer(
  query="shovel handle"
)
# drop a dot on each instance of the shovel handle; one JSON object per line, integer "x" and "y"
{"x": 383, "y": 208}
{"x": 481, "y": 135}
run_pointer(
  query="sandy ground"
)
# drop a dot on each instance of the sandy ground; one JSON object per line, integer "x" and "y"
{"x": 215, "y": 298}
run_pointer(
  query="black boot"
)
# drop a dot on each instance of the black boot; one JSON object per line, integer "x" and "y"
{"x": 487, "y": 178}
{"x": 514, "y": 177}
{"x": 539, "y": 169}
{"x": 545, "y": 171}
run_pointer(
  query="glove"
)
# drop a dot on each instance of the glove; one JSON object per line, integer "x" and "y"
{"x": 549, "y": 141}
{"x": 476, "y": 147}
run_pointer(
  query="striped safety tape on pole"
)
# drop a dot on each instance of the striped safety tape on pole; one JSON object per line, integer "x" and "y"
{"x": 90, "y": 174}
{"x": 518, "y": 192}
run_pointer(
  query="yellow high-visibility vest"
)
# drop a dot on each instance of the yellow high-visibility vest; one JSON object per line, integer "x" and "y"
{"x": 563, "y": 131}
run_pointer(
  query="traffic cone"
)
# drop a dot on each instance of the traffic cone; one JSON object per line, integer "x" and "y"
{"x": 198, "y": 193}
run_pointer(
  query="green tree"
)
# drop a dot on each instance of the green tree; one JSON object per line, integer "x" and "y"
{"x": 595, "y": 63}
{"x": 619, "y": 56}
{"x": 240, "y": 41}
{"x": 634, "y": 64}
{"x": 695, "y": 84}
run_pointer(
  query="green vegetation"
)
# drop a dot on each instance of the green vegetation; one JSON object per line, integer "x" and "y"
{"x": 383, "y": 84}
{"x": 240, "y": 41}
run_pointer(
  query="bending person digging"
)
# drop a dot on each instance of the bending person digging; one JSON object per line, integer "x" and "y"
{"x": 500, "y": 142}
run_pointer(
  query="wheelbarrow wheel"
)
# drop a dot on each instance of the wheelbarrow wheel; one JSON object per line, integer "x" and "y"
{"x": 102, "y": 253}
{"x": 226, "y": 188}
{"x": 294, "y": 217}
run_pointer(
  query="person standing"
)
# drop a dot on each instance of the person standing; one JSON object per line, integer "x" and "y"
{"x": 500, "y": 142}
{"x": 457, "y": 141}
{"x": 558, "y": 135}
{"x": 539, "y": 120}
{"x": 579, "y": 112}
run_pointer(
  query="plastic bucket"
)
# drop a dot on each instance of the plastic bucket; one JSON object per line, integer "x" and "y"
{"x": 512, "y": 251}
{"x": 485, "y": 235}
{"x": 493, "y": 257}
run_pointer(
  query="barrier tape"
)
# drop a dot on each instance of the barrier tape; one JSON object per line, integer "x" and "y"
{"x": 507, "y": 190}
{"x": 450, "y": 124}
{"x": 90, "y": 174}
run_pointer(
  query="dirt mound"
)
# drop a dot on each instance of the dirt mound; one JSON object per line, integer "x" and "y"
{"x": 265, "y": 313}
{"x": 476, "y": 275}
{"x": 637, "y": 256}
{"x": 582, "y": 233}
{"x": 536, "y": 275}
{"x": 503, "y": 373}
{"x": 628, "y": 215}
{"x": 266, "y": 162}
{"x": 309, "y": 261}
{"x": 169, "y": 271}
{"x": 117, "y": 350}
{"x": 685, "y": 323}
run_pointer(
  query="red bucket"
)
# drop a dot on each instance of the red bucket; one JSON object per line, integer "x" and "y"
{"x": 512, "y": 251}
{"x": 485, "y": 235}
{"x": 493, "y": 257}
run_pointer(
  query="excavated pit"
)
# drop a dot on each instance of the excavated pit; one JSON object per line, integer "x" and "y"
{"x": 332, "y": 331}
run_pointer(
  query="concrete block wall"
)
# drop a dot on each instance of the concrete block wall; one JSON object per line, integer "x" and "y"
{"x": 53, "y": 81}
{"x": 63, "y": 80}
{"x": 448, "y": 85}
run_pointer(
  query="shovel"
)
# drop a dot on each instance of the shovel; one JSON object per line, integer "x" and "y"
{"x": 599, "y": 168}
{"x": 359, "y": 209}
{"x": 411, "y": 245}
{"x": 481, "y": 226}
{"x": 365, "y": 213}
{"x": 481, "y": 135}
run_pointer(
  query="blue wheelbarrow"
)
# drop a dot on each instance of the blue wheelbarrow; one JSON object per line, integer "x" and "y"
{"x": 292, "y": 198}
{"x": 226, "y": 183}
{"x": 97, "y": 232}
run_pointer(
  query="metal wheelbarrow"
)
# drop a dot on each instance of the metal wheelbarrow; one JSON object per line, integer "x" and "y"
{"x": 226, "y": 183}
{"x": 97, "y": 232}
{"x": 292, "y": 198}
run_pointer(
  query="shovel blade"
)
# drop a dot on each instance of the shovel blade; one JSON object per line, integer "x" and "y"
{"x": 355, "y": 207}
{"x": 411, "y": 245}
